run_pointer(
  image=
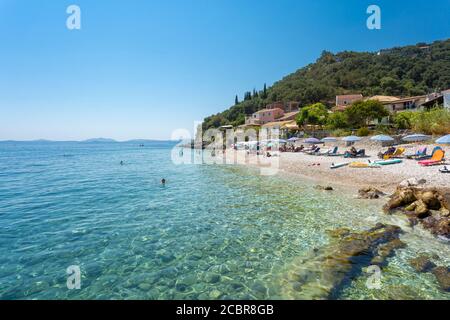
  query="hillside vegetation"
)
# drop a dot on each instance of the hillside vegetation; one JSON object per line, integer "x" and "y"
{"x": 402, "y": 71}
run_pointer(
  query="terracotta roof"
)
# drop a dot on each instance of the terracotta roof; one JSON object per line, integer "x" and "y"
{"x": 276, "y": 123}
{"x": 407, "y": 99}
{"x": 292, "y": 125}
{"x": 268, "y": 110}
{"x": 289, "y": 116}
{"x": 349, "y": 96}
{"x": 384, "y": 98}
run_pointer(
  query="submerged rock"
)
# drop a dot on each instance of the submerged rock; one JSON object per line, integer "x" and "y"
{"x": 324, "y": 272}
{"x": 325, "y": 188}
{"x": 422, "y": 263}
{"x": 387, "y": 250}
{"x": 370, "y": 193}
{"x": 442, "y": 275}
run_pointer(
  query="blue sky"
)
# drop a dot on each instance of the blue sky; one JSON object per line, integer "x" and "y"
{"x": 140, "y": 69}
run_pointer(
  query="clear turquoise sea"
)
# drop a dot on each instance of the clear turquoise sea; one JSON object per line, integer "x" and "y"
{"x": 212, "y": 232}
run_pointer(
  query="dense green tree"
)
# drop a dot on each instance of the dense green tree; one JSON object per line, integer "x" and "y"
{"x": 315, "y": 114}
{"x": 361, "y": 113}
{"x": 403, "y": 120}
{"x": 236, "y": 100}
{"x": 264, "y": 92}
{"x": 337, "y": 120}
{"x": 402, "y": 71}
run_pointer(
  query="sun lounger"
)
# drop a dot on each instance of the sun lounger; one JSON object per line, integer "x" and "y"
{"x": 437, "y": 158}
{"x": 397, "y": 154}
{"x": 359, "y": 153}
{"x": 364, "y": 165}
{"x": 427, "y": 157}
{"x": 422, "y": 152}
{"x": 331, "y": 152}
{"x": 313, "y": 151}
{"x": 388, "y": 162}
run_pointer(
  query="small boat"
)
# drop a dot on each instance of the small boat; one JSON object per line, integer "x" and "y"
{"x": 339, "y": 165}
{"x": 364, "y": 165}
{"x": 388, "y": 162}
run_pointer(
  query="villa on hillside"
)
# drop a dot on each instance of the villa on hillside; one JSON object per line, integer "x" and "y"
{"x": 394, "y": 104}
{"x": 264, "y": 116}
{"x": 286, "y": 107}
{"x": 442, "y": 98}
{"x": 275, "y": 112}
{"x": 343, "y": 101}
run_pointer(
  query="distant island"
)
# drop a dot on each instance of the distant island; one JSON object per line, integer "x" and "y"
{"x": 100, "y": 140}
{"x": 97, "y": 140}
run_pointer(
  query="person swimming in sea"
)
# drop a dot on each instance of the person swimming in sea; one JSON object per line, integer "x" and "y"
{"x": 121, "y": 163}
{"x": 163, "y": 181}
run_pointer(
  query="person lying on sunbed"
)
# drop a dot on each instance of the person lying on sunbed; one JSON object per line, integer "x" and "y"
{"x": 313, "y": 147}
{"x": 353, "y": 153}
{"x": 389, "y": 151}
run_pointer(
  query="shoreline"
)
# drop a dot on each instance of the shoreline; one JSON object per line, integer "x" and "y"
{"x": 317, "y": 169}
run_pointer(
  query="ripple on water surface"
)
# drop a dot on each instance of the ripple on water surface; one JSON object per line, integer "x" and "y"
{"x": 213, "y": 232}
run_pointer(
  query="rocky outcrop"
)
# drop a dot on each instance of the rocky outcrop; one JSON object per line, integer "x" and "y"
{"x": 325, "y": 271}
{"x": 442, "y": 275}
{"x": 370, "y": 193}
{"x": 427, "y": 206}
{"x": 422, "y": 263}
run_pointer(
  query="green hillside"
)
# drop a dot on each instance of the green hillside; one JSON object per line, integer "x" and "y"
{"x": 402, "y": 71}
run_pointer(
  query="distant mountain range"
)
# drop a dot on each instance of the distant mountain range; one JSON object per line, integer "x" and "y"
{"x": 100, "y": 140}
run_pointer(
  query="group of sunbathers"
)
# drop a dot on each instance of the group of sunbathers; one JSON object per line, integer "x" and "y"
{"x": 291, "y": 148}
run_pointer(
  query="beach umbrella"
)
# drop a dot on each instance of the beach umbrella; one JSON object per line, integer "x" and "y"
{"x": 312, "y": 141}
{"x": 415, "y": 138}
{"x": 382, "y": 138}
{"x": 279, "y": 141}
{"x": 329, "y": 139}
{"x": 444, "y": 140}
{"x": 293, "y": 139}
{"x": 351, "y": 139}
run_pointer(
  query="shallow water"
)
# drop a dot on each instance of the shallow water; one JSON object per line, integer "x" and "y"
{"x": 213, "y": 232}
